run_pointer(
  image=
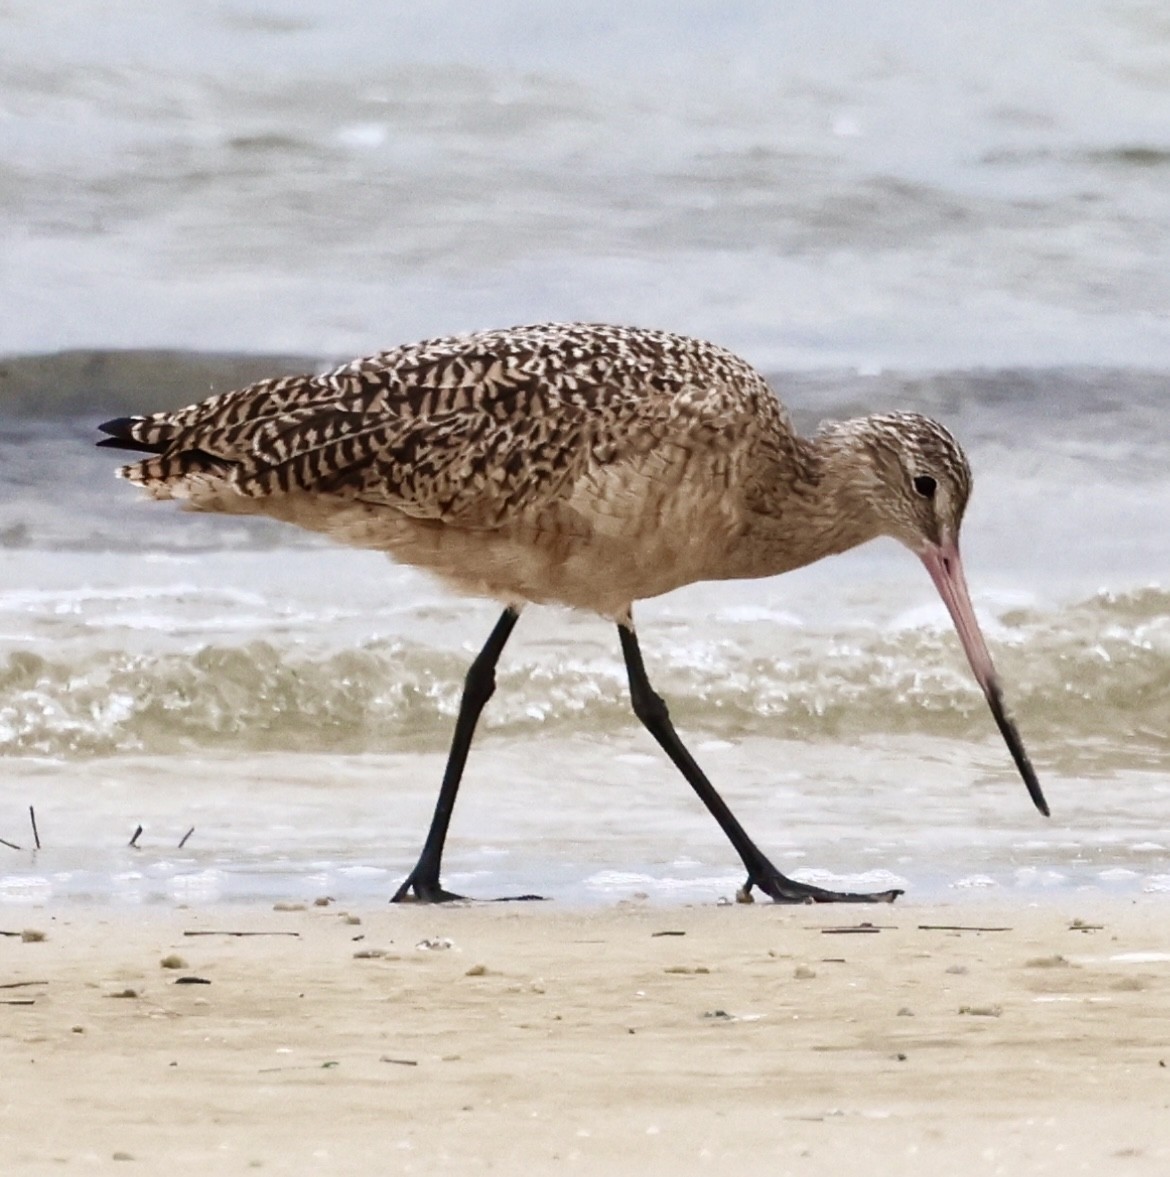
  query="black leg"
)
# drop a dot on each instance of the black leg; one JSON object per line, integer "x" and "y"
{"x": 478, "y": 688}
{"x": 652, "y": 711}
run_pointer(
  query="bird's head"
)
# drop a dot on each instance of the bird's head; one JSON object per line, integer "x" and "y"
{"x": 911, "y": 480}
{"x": 914, "y": 477}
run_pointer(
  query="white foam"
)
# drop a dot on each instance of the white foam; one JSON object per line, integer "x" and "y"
{"x": 25, "y": 889}
{"x": 206, "y": 886}
{"x": 747, "y": 614}
{"x": 871, "y": 880}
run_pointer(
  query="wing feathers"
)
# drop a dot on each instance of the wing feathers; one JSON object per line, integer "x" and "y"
{"x": 467, "y": 430}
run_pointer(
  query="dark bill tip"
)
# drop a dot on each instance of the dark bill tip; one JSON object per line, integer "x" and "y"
{"x": 1016, "y": 748}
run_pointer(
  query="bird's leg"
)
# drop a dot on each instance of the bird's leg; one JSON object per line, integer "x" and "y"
{"x": 478, "y": 688}
{"x": 652, "y": 711}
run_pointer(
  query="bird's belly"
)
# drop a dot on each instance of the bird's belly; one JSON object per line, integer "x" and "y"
{"x": 598, "y": 573}
{"x": 555, "y": 556}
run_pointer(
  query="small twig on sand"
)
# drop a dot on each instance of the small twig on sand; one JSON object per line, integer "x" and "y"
{"x": 241, "y": 933}
{"x": 183, "y": 840}
{"x": 10, "y": 845}
{"x": 134, "y": 839}
{"x": 861, "y": 926}
{"x": 959, "y": 928}
{"x": 20, "y": 984}
{"x": 32, "y": 816}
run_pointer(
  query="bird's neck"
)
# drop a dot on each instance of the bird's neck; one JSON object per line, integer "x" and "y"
{"x": 816, "y": 501}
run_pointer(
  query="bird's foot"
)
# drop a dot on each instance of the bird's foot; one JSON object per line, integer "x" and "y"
{"x": 420, "y": 888}
{"x": 781, "y": 889}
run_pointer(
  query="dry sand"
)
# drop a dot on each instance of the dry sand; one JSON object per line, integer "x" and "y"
{"x": 635, "y": 1039}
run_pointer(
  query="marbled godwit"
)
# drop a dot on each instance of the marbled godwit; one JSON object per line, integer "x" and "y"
{"x": 587, "y": 465}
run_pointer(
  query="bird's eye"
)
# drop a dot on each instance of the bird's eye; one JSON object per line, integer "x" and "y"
{"x": 925, "y": 486}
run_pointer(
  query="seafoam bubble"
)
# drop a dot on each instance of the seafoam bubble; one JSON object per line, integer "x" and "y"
{"x": 758, "y": 614}
{"x": 1031, "y": 876}
{"x": 1117, "y": 874}
{"x": 25, "y": 889}
{"x": 361, "y": 871}
{"x": 128, "y": 886}
{"x": 871, "y": 880}
{"x": 204, "y": 886}
{"x": 622, "y": 884}
{"x": 618, "y": 881}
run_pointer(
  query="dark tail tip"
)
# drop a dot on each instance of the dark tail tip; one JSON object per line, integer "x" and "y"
{"x": 117, "y": 426}
{"x": 121, "y": 437}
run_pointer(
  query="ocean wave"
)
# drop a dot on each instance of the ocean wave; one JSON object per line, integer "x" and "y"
{"x": 1090, "y": 681}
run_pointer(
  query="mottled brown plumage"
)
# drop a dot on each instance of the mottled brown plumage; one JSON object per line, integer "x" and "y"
{"x": 583, "y": 464}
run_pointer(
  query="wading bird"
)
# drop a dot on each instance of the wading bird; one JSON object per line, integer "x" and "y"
{"x": 586, "y": 465}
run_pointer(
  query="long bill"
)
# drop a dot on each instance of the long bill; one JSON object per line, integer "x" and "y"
{"x": 946, "y": 570}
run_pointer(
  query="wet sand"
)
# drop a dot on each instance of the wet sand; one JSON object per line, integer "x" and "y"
{"x": 634, "y": 1039}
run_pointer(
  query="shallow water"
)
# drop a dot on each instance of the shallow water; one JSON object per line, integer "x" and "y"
{"x": 589, "y": 820}
{"x": 960, "y": 211}
{"x": 292, "y": 701}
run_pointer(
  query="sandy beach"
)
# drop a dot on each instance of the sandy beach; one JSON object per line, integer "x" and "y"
{"x": 525, "y": 1039}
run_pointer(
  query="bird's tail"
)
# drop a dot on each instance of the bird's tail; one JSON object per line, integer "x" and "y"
{"x": 169, "y": 471}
